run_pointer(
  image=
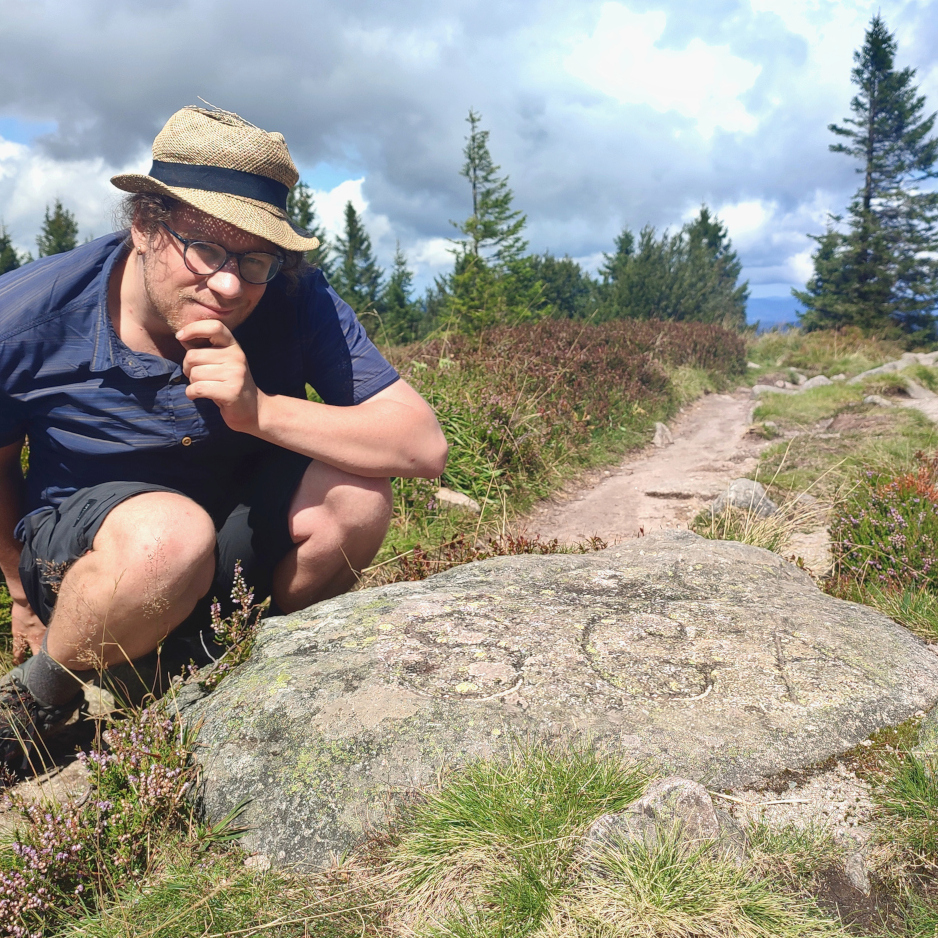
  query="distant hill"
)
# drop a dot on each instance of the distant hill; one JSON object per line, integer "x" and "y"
{"x": 770, "y": 311}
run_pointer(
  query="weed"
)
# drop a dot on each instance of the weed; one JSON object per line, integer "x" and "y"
{"x": 236, "y": 633}
{"x": 419, "y": 563}
{"x": 735, "y": 524}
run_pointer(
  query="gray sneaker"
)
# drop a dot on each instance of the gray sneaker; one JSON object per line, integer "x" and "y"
{"x": 24, "y": 721}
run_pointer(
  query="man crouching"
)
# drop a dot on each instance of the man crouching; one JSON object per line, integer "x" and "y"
{"x": 160, "y": 376}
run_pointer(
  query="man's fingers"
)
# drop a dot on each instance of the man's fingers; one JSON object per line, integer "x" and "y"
{"x": 206, "y": 333}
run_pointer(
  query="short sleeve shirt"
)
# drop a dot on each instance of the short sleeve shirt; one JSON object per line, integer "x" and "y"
{"x": 95, "y": 411}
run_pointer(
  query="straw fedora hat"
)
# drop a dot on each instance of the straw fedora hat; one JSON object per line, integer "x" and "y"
{"x": 219, "y": 163}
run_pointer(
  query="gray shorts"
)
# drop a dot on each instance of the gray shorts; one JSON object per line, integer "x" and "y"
{"x": 251, "y": 529}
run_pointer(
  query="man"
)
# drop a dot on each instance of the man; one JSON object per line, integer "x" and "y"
{"x": 159, "y": 376}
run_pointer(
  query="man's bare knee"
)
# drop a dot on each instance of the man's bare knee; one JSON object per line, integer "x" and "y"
{"x": 169, "y": 536}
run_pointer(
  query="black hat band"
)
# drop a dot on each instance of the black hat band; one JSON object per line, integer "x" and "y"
{"x": 221, "y": 179}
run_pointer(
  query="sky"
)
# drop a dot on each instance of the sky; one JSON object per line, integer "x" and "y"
{"x": 604, "y": 115}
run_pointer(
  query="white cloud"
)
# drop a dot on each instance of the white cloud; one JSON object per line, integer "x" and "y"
{"x": 330, "y": 203}
{"x": 30, "y": 181}
{"x": 622, "y": 59}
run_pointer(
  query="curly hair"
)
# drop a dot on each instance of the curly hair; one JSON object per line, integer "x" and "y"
{"x": 150, "y": 209}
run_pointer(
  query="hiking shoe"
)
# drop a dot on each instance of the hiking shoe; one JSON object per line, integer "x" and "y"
{"x": 24, "y": 721}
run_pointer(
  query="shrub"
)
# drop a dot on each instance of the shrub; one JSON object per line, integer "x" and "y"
{"x": 66, "y": 856}
{"x": 517, "y": 402}
{"x": 886, "y": 531}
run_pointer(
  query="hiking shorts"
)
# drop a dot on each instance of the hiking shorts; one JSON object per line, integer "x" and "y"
{"x": 251, "y": 528}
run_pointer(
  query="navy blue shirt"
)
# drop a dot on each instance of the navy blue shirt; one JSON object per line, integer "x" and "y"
{"x": 96, "y": 411}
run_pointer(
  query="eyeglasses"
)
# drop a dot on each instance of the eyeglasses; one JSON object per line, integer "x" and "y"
{"x": 206, "y": 257}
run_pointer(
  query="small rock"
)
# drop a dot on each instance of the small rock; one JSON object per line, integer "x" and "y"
{"x": 888, "y": 368}
{"x": 876, "y": 399}
{"x": 781, "y": 384}
{"x": 818, "y": 381}
{"x": 747, "y": 495}
{"x": 770, "y": 425}
{"x": 669, "y": 804}
{"x": 858, "y": 873}
{"x": 448, "y": 497}
{"x": 663, "y": 435}
{"x": 917, "y": 392}
{"x": 800, "y": 378}
{"x": 98, "y": 701}
{"x": 606, "y": 472}
{"x": 258, "y": 862}
{"x": 758, "y": 389}
{"x": 840, "y": 377}
{"x": 752, "y": 365}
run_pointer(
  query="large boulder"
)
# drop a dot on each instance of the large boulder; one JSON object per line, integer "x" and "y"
{"x": 713, "y": 660}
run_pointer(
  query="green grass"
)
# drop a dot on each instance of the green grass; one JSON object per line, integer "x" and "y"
{"x": 832, "y": 352}
{"x": 907, "y": 799}
{"x": 795, "y": 855}
{"x": 670, "y": 891}
{"x": 883, "y": 442}
{"x": 914, "y": 607}
{"x": 214, "y": 896}
{"x": 496, "y": 843}
{"x": 806, "y": 408}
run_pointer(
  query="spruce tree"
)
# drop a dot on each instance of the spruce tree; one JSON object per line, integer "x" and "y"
{"x": 711, "y": 291}
{"x": 9, "y": 259}
{"x": 356, "y": 275}
{"x": 401, "y": 317}
{"x": 59, "y": 231}
{"x": 491, "y": 282}
{"x": 494, "y": 229}
{"x": 691, "y": 275}
{"x": 302, "y": 212}
{"x": 881, "y": 272}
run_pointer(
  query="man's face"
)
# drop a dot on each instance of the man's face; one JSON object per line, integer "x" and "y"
{"x": 177, "y": 296}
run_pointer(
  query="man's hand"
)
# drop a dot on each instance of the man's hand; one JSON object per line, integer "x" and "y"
{"x": 28, "y": 630}
{"x": 217, "y": 369}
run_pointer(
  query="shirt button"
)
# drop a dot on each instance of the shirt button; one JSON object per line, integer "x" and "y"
{"x": 187, "y": 441}
{"x": 176, "y": 379}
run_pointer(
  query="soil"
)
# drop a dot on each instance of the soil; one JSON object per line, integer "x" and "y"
{"x": 661, "y": 488}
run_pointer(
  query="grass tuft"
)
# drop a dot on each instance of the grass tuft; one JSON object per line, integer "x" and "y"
{"x": 671, "y": 891}
{"x": 907, "y": 799}
{"x": 495, "y": 844}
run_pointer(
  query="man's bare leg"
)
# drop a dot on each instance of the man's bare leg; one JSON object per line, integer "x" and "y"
{"x": 151, "y": 561}
{"x": 338, "y": 521}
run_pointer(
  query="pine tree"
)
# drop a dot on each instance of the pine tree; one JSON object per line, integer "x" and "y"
{"x": 302, "y": 212}
{"x": 494, "y": 228}
{"x": 9, "y": 259}
{"x": 59, "y": 231}
{"x": 356, "y": 275}
{"x": 401, "y": 317}
{"x": 881, "y": 272}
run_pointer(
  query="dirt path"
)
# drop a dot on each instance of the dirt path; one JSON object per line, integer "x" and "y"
{"x": 660, "y": 488}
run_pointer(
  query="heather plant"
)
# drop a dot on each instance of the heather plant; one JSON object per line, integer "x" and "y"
{"x": 236, "y": 632}
{"x": 68, "y": 856}
{"x": 516, "y": 403}
{"x": 886, "y": 531}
